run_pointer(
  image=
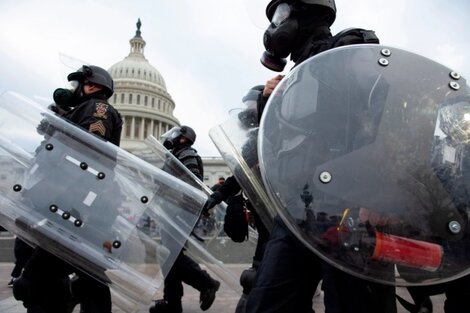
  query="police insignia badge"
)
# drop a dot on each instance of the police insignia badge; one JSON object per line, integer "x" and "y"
{"x": 98, "y": 128}
{"x": 101, "y": 110}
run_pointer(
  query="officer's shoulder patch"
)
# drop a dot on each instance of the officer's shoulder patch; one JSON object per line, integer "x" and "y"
{"x": 98, "y": 128}
{"x": 101, "y": 110}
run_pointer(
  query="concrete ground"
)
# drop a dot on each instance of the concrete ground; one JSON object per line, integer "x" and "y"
{"x": 225, "y": 302}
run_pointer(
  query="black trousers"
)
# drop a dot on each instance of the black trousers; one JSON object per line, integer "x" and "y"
{"x": 93, "y": 296}
{"x": 288, "y": 275}
{"x": 457, "y": 293}
{"x": 263, "y": 237}
{"x": 44, "y": 284}
{"x": 45, "y": 287}
{"x": 344, "y": 293}
{"x": 184, "y": 270}
{"x": 22, "y": 252}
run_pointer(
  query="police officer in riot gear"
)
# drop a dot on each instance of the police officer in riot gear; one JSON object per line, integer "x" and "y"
{"x": 179, "y": 141}
{"x": 290, "y": 272}
{"x": 249, "y": 118}
{"x": 86, "y": 105}
{"x": 44, "y": 284}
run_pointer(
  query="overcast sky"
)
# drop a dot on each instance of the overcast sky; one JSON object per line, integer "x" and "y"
{"x": 207, "y": 50}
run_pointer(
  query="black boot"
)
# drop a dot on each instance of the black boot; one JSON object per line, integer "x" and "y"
{"x": 207, "y": 297}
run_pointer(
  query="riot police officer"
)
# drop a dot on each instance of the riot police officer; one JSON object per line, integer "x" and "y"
{"x": 249, "y": 118}
{"x": 44, "y": 284}
{"x": 86, "y": 105}
{"x": 179, "y": 141}
{"x": 290, "y": 272}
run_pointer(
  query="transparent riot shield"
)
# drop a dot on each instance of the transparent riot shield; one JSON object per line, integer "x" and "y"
{"x": 207, "y": 228}
{"x": 365, "y": 152}
{"x": 82, "y": 199}
{"x": 237, "y": 143}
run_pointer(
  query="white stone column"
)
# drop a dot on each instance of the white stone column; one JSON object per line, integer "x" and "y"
{"x": 141, "y": 131}
{"x": 152, "y": 127}
{"x": 132, "y": 128}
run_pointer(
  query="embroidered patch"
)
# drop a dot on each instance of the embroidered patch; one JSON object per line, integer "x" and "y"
{"x": 101, "y": 110}
{"x": 98, "y": 128}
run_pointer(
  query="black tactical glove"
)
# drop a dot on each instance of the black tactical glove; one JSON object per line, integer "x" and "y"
{"x": 247, "y": 279}
{"x": 58, "y": 109}
{"x": 211, "y": 202}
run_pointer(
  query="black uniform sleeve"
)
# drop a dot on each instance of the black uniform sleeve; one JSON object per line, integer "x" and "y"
{"x": 192, "y": 161}
{"x": 230, "y": 188}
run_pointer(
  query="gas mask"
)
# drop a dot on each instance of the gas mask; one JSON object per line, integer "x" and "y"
{"x": 171, "y": 138}
{"x": 68, "y": 97}
{"x": 292, "y": 23}
{"x": 279, "y": 38}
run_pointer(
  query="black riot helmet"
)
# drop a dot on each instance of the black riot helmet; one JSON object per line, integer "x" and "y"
{"x": 171, "y": 138}
{"x": 291, "y": 21}
{"x": 96, "y": 75}
{"x": 328, "y": 4}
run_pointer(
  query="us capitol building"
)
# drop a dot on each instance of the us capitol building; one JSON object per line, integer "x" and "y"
{"x": 140, "y": 95}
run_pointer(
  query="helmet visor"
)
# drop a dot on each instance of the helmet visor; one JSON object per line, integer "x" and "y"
{"x": 172, "y": 134}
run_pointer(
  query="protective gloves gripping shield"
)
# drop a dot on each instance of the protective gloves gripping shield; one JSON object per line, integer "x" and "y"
{"x": 214, "y": 199}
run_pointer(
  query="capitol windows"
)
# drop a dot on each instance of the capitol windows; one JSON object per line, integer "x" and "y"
{"x": 115, "y": 98}
{"x": 153, "y": 102}
{"x": 122, "y": 98}
{"x": 137, "y": 123}
{"x": 146, "y": 100}
{"x": 138, "y": 99}
{"x": 127, "y": 126}
{"x": 130, "y": 98}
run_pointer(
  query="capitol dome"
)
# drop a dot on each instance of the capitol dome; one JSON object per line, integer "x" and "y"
{"x": 133, "y": 67}
{"x": 141, "y": 97}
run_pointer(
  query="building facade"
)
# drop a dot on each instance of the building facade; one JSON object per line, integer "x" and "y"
{"x": 213, "y": 169}
{"x": 140, "y": 95}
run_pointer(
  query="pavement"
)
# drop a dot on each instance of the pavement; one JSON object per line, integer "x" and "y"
{"x": 225, "y": 302}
